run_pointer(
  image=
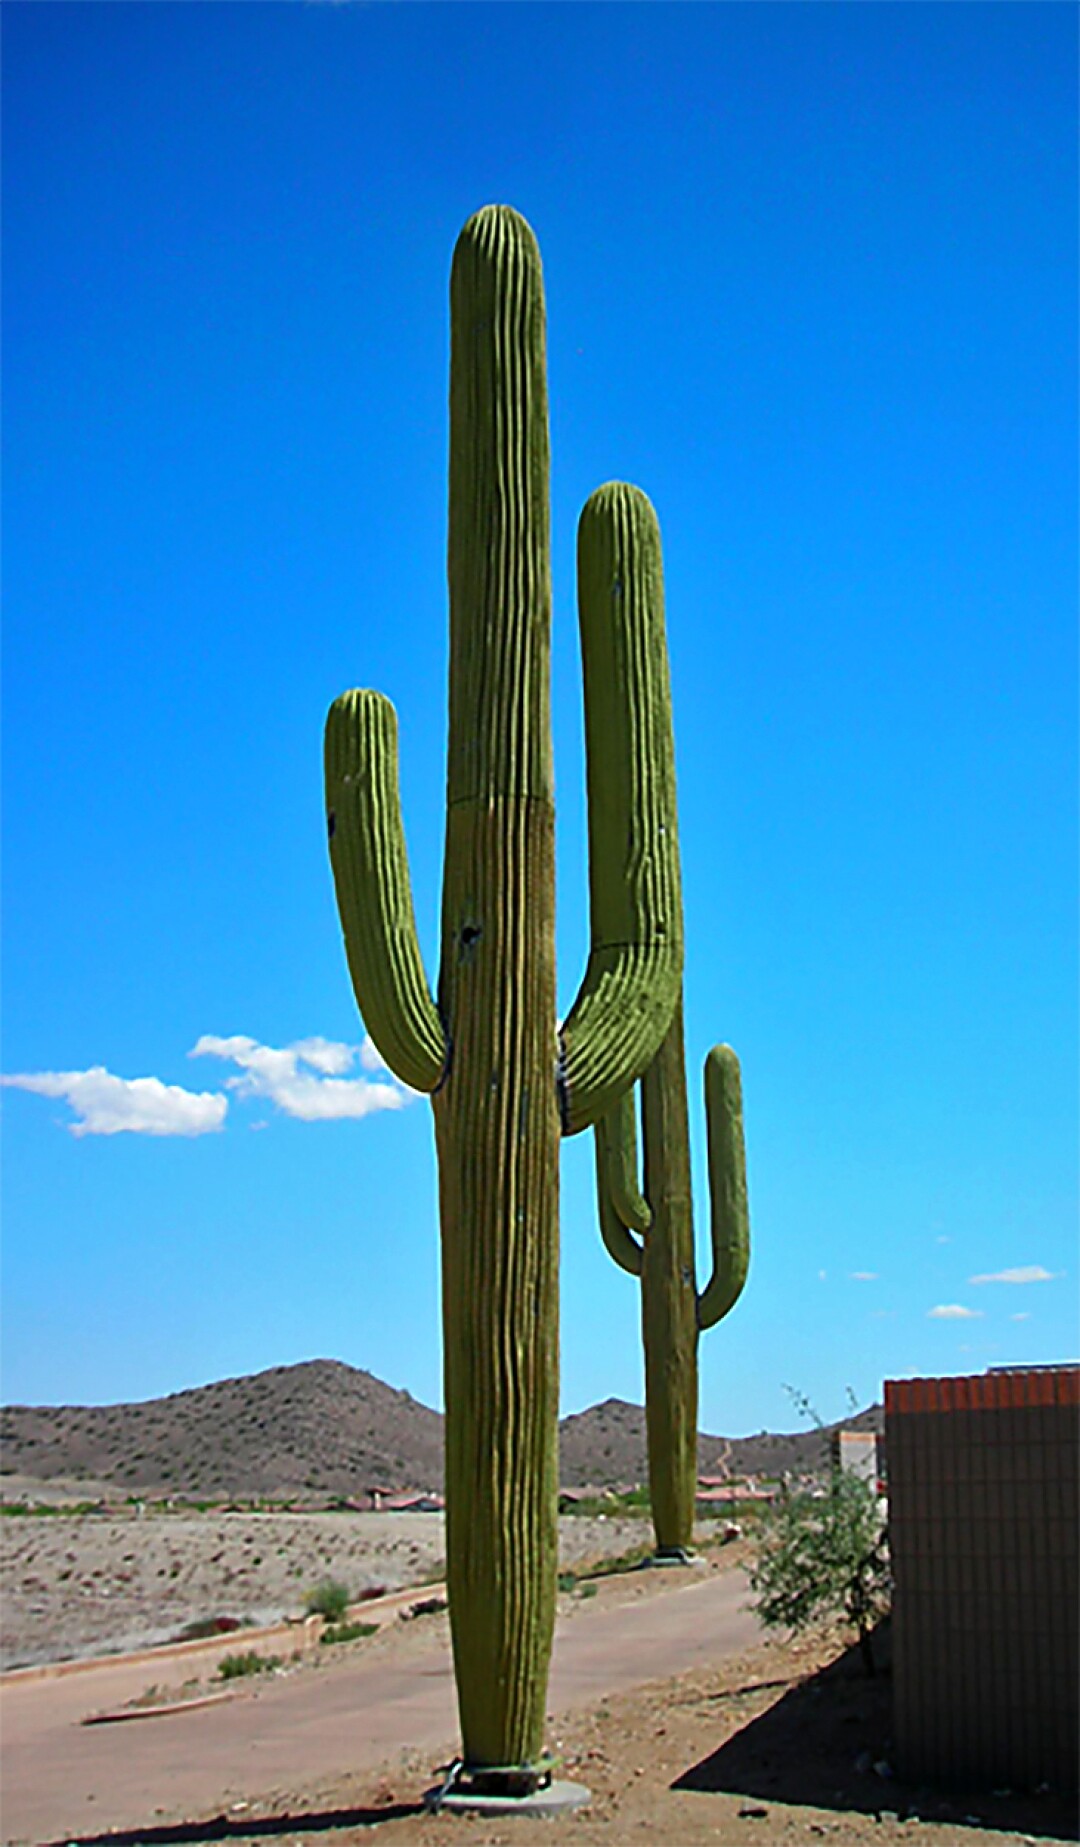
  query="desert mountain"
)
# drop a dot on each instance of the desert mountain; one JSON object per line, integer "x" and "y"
{"x": 607, "y": 1444}
{"x": 317, "y": 1429}
{"x": 322, "y": 1429}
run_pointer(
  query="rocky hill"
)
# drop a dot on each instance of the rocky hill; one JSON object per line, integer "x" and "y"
{"x": 322, "y": 1429}
{"x": 607, "y": 1444}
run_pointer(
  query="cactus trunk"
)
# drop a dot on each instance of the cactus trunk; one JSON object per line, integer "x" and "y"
{"x": 496, "y": 1115}
{"x": 669, "y": 1297}
{"x": 497, "y": 1132}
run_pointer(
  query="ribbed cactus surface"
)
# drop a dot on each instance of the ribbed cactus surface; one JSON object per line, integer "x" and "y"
{"x": 504, "y": 1083}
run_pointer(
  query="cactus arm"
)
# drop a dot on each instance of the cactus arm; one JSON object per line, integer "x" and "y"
{"x": 617, "y": 1131}
{"x": 631, "y": 984}
{"x": 727, "y": 1187}
{"x": 621, "y": 1208}
{"x": 371, "y": 876}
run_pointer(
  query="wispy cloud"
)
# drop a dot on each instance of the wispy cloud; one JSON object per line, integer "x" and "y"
{"x": 109, "y": 1105}
{"x": 307, "y": 1079}
{"x": 1028, "y": 1273}
{"x": 1025, "y": 1316}
{"x": 863, "y": 1276}
{"x": 953, "y": 1311}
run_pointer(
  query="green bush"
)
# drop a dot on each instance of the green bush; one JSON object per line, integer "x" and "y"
{"x": 329, "y": 1600}
{"x": 347, "y": 1632}
{"x": 236, "y": 1667}
{"x": 824, "y": 1556}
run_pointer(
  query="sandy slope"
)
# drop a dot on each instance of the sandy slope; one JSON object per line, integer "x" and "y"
{"x": 78, "y": 1584}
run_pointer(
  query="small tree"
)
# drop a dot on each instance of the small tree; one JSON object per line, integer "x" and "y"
{"x": 816, "y": 1557}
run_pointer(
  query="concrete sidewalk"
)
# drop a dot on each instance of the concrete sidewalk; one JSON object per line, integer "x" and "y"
{"x": 61, "y": 1779}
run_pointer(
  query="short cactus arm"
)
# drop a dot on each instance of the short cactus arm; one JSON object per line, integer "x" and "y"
{"x": 631, "y": 985}
{"x": 727, "y": 1186}
{"x": 617, "y": 1133}
{"x": 621, "y": 1208}
{"x": 371, "y": 874}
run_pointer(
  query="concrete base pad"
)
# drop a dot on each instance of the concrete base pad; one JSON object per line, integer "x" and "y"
{"x": 554, "y": 1800}
{"x": 657, "y": 1560}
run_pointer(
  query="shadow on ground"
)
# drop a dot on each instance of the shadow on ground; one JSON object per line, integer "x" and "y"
{"x": 826, "y": 1744}
{"x": 243, "y": 1827}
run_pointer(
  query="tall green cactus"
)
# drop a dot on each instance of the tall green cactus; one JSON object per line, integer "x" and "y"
{"x": 672, "y": 1312}
{"x": 504, "y": 1082}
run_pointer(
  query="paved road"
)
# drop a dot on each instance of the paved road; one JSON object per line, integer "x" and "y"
{"x": 61, "y": 1778}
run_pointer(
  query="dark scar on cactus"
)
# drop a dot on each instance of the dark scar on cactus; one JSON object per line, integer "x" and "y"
{"x": 331, "y": 823}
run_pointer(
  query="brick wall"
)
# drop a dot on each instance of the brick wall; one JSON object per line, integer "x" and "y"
{"x": 984, "y": 1527}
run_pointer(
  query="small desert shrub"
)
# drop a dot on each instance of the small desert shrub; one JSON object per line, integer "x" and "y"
{"x": 817, "y": 1558}
{"x": 235, "y": 1667}
{"x": 329, "y": 1600}
{"x": 205, "y": 1626}
{"x": 347, "y": 1632}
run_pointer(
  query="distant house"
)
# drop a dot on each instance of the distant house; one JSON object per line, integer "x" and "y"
{"x": 421, "y": 1503}
{"x": 711, "y": 1493}
{"x": 855, "y": 1452}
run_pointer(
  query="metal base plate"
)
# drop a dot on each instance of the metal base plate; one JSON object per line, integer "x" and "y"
{"x": 554, "y": 1800}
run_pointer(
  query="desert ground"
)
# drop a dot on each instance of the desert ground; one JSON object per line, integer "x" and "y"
{"x": 87, "y": 1584}
{"x": 778, "y": 1743}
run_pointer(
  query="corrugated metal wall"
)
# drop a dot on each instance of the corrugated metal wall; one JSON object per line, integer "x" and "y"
{"x": 984, "y": 1524}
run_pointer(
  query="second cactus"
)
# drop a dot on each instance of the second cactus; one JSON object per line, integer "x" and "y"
{"x": 660, "y": 1211}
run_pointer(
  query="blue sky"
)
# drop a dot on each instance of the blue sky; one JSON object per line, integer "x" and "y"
{"x": 811, "y": 281}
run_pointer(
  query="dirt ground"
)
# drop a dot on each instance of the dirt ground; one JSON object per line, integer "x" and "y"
{"x": 82, "y": 1584}
{"x": 785, "y": 1742}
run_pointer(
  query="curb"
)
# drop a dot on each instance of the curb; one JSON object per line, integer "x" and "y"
{"x": 302, "y": 1632}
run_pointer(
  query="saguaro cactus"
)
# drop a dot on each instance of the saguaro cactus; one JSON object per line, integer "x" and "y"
{"x": 672, "y": 1312}
{"x": 504, "y": 1082}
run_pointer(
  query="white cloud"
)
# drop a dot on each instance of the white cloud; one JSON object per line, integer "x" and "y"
{"x": 1028, "y": 1273}
{"x": 953, "y": 1311}
{"x": 327, "y": 1056}
{"x": 108, "y": 1105}
{"x": 863, "y": 1276}
{"x": 319, "y": 1093}
{"x": 1026, "y": 1316}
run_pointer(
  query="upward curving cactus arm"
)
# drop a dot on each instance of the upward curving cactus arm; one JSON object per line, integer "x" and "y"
{"x": 371, "y": 874}
{"x": 622, "y": 1210}
{"x": 616, "y": 1137}
{"x": 631, "y": 985}
{"x": 727, "y": 1187}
